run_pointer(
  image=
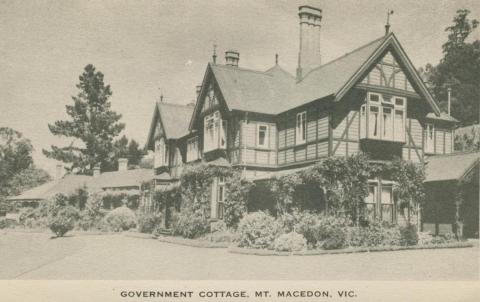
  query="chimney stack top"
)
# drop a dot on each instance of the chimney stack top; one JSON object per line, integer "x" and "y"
{"x": 232, "y": 57}
{"x": 122, "y": 164}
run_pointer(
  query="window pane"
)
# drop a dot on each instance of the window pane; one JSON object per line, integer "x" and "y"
{"x": 387, "y": 213}
{"x": 399, "y": 102}
{"x": 363, "y": 121}
{"x": 387, "y": 124}
{"x": 374, "y": 97}
{"x": 374, "y": 123}
{"x": 262, "y": 133}
{"x": 399, "y": 125}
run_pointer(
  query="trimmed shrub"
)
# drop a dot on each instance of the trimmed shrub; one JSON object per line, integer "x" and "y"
{"x": 121, "y": 219}
{"x": 62, "y": 220}
{"x": 148, "y": 222}
{"x": 290, "y": 242}
{"x": 409, "y": 235}
{"x": 257, "y": 230}
{"x": 189, "y": 224}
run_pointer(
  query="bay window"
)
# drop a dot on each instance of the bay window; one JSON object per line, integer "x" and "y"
{"x": 262, "y": 136}
{"x": 215, "y": 132}
{"x": 301, "y": 128}
{"x": 192, "y": 149}
{"x": 429, "y": 138}
{"x": 383, "y": 118}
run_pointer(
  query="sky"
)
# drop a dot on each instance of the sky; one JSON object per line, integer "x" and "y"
{"x": 147, "y": 48}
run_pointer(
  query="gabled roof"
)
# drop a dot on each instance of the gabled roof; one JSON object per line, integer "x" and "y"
{"x": 452, "y": 166}
{"x": 174, "y": 119}
{"x": 275, "y": 90}
{"x": 69, "y": 183}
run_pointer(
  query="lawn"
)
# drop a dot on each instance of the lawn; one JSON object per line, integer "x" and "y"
{"x": 37, "y": 256}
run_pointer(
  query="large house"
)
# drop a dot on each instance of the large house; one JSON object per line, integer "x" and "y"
{"x": 370, "y": 100}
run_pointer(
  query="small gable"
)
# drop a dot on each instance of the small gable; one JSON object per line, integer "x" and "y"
{"x": 388, "y": 73}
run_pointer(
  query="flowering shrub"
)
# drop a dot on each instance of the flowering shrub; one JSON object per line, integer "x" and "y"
{"x": 330, "y": 232}
{"x": 257, "y": 230}
{"x": 92, "y": 215}
{"x": 190, "y": 224}
{"x": 121, "y": 219}
{"x": 62, "y": 220}
{"x": 306, "y": 224}
{"x": 290, "y": 242}
{"x": 375, "y": 234}
{"x": 148, "y": 222}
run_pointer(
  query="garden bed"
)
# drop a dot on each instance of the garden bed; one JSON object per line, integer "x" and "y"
{"x": 193, "y": 242}
{"x": 265, "y": 252}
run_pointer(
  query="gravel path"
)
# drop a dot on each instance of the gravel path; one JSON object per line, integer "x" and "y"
{"x": 36, "y": 256}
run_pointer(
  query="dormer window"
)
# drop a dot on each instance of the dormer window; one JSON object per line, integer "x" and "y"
{"x": 383, "y": 118}
{"x": 301, "y": 128}
{"x": 215, "y": 130}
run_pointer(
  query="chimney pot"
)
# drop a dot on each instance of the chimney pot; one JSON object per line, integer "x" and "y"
{"x": 232, "y": 57}
{"x": 122, "y": 164}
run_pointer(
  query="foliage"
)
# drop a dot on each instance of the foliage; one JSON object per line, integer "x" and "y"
{"x": 148, "y": 222}
{"x": 468, "y": 141}
{"x": 92, "y": 215}
{"x": 190, "y": 224}
{"x": 329, "y": 232}
{"x": 167, "y": 197}
{"x": 92, "y": 122}
{"x": 17, "y": 172}
{"x": 290, "y": 242}
{"x": 130, "y": 150}
{"x": 113, "y": 199}
{"x": 121, "y": 219}
{"x": 459, "y": 69}
{"x": 237, "y": 190}
{"x": 35, "y": 217}
{"x": 409, "y": 235}
{"x": 345, "y": 181}
{"x": 6, "y": 223}
{"x": 218, "y": 226}
{"x": 306, "y": 224}
{"x": 408, "y": 186}
{"x": 375, "y": 234}
{"x": 257, "y": 230}
{"x": 62, "y": 220}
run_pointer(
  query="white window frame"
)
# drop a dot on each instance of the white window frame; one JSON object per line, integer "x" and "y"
{"x": 429, "y": 142}
{"x": 215, "y": 132}
{"x": 378, "y": 201}
{"x": 266, "y": 137}
{"x": 301, "y": 128}
{"x": 381, "y": 105}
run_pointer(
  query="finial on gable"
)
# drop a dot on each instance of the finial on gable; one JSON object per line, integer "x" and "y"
{"x": 214, "y": 56}
{"x": 387, "y": 26}
{"x": 276, "y": 59}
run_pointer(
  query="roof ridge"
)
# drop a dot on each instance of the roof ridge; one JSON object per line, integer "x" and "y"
{"x": 242, "y": 69}
{"x": 172, "y": 104}
{"x": 343, "y": 56}
{"x": 277, "y": 66}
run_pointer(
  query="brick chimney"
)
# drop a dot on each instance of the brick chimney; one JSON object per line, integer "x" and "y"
{"x": 122, "y": 164}
{"x": 309, "y": 52}
{"x": 232, "y": 57}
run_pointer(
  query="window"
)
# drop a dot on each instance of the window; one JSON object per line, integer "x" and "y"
{"x": 383, "y": 118}
{"x": 429, "y": 138}
{"x": 210, "y": 99}
{"x": 262, "y": 136}
{"x": 371, "y": 201}
{"x": 386, "y": 203}
{"x": 218, "y": 198}
{"x": 192, "y": 149}
{"x": 161, "y": 154}
{"x": 215, "y": 130}
{"x": 380, "y": 203}
{"x": 301, "y": 133}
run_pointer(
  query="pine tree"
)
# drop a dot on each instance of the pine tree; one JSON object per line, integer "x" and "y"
{"x": 92, "y": 122}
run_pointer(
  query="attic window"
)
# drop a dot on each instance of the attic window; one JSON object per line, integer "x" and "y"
{"x": 210, "y": 99}
{"x": 215, "y": 130}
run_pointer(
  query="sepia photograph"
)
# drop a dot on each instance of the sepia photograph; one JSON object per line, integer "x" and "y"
{"x": 240, "y": 140}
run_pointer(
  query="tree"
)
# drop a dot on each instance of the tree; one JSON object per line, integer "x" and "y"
{"x": 459, "y": 69}
{"x": 17, "y": 172}
{"x": 129, "y": 149}
{"x": 92, "y": 122}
